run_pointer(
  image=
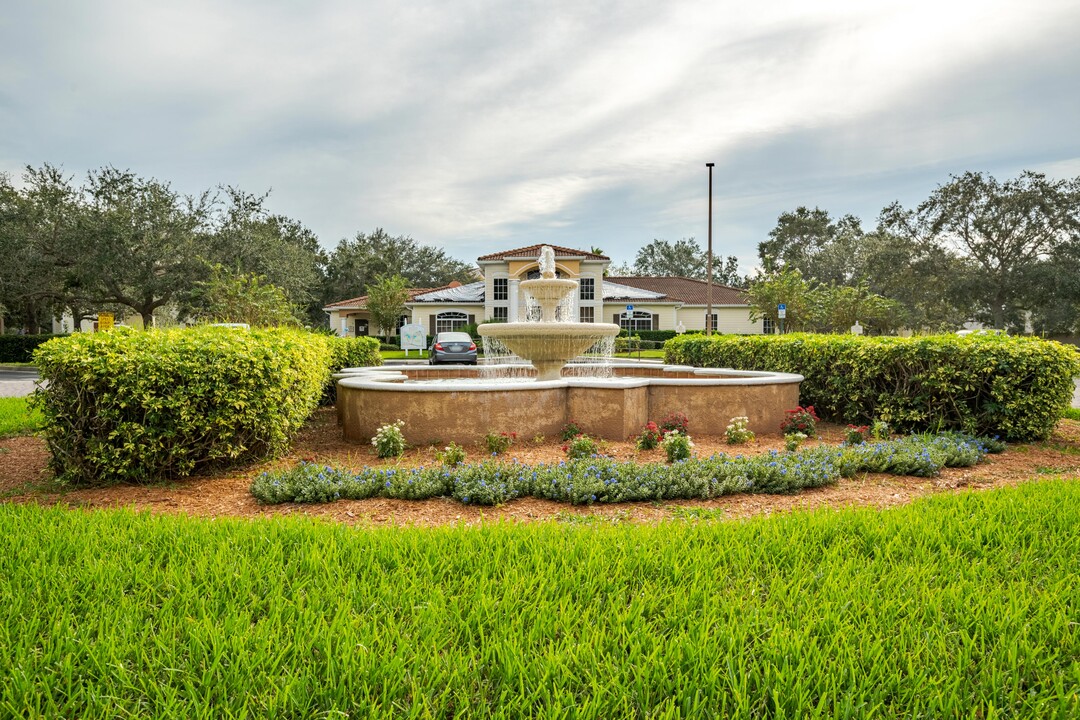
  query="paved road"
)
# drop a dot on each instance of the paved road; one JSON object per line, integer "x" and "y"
{"x": 16, "y": 382}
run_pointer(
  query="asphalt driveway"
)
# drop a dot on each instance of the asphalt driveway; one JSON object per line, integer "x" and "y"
{"x": 17, "y": 381}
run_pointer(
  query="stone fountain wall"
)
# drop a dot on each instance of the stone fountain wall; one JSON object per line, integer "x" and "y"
{"x": 613, "y": 410}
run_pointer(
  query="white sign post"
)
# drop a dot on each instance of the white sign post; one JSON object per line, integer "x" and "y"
{"x": 413, "y": 337}
{"x": 781, "y": 312}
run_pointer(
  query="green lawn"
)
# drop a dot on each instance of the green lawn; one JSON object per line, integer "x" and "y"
{"x": 956, "y": 606}
{"x": 16, "y": 418}
{"x": 643, "y": 354}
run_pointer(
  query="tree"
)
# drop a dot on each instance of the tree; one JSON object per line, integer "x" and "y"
{"x": 685, "y": 258}
{"x": 836, "y": 308}
{"x": 38, "y": 226}
{"x": 247, "y": 298}
{"x": 138, "y": 245}
{"x": 355, "y": 264}
{"x": 1005, "y": 230}
{"x": 246, "y": 238}
{"x": 809, "y": 240}
{"x": 924, "y": 277}
{"x": 386, "y": 298}
{"x": 768, "y": 291}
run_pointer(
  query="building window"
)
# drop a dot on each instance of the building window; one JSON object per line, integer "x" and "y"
{"x": 500, "y": 314}
{"x": 450, "y": 321}
{"x": 710, "y": 325}
{"x": 535, "y": 274}
{"x": 500, "y": 289}
{"x": 587, "y": 288}
{"x": 587, "y": 314}
{"x": 638, "y": 322}
{"x": 768, "y": 326}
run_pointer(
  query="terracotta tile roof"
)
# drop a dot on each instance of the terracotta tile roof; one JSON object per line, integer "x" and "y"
{"x": 533, "y": 251}
{"x": 360, "y": 303}
{"x": 686, "y": 290}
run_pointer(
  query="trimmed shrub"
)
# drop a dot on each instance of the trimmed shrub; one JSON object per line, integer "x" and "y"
{"x": 354, "y": 352}
{"x": 659, "y": 336}
{"x": 349, "y": 352}
{"x": 1015, "y": 387}
{"x": 146, "y": 406}
{"x": 20, "y": 348}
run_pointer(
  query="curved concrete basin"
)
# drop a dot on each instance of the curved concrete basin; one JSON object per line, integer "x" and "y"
{"x": 444, "y": 404}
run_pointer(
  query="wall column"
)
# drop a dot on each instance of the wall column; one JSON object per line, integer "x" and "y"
{"x": 512, "y": 314}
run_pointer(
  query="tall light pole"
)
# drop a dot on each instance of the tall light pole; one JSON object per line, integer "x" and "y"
{"x": 708, "y": 269}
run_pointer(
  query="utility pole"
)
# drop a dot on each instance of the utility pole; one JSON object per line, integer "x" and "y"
{"x": 708, "y": 269}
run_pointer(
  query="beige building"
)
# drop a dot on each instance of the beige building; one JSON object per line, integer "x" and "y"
{"x": 635, "y": 303}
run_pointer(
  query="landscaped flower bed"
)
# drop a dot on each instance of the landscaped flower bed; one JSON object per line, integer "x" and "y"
{"x": 605, "y": 480}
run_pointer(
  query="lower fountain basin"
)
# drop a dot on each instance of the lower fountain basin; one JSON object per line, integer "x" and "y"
{"x": 463, "y": 408}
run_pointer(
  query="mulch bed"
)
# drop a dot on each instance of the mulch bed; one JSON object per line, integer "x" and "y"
{"x": 25, "y": 478}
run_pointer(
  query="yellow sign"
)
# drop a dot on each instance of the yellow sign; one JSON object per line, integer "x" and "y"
{"x": 104, "y": 321}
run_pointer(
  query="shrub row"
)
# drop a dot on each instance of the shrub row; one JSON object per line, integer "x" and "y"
{"x": 1015, "y": 387}
{"x": 20, "y": 348}
{"x": 349, "y": 352}
{"x": 658, "y": 335}
{"x": 127, "y": 406}
{"x": 598, "y": 479}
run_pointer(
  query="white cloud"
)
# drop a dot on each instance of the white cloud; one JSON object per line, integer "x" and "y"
{"x": 471, "y": 123}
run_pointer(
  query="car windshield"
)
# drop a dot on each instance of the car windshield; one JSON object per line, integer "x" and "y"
{"x": 454, "y": 337}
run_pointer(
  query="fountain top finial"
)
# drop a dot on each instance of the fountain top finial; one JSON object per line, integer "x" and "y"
{"x": 547, "y": 262}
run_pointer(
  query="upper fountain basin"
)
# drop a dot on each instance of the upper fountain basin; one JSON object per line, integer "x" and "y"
{"x": 549, "y": 290}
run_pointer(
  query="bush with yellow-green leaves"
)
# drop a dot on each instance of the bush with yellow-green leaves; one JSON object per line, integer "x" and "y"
{"x": 1015, "y": 387}
{"x": 133, "y": 406}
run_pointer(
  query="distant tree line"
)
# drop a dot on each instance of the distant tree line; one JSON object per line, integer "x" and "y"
{"x": 1003, "y": 253}
{"x": 1006, "y": 254}
{"x": 131, "y": 245}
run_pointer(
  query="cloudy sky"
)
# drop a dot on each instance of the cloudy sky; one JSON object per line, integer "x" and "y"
{"x": 479, "y": 126}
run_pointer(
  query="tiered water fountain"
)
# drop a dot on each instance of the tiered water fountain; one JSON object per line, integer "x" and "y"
{"x": 548, "y": 344}
{"x": 443, "y": 404}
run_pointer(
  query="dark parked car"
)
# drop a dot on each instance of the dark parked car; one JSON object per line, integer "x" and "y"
{"x": 452, "y": 347}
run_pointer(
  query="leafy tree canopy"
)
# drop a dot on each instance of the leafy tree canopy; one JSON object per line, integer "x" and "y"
{"x": 246, "y": 298}
{"x": 386, "y": 302}
{"x": 1004, "y": 231}
{"x": 685, "y": 258}
{"x": 356, "y": 264}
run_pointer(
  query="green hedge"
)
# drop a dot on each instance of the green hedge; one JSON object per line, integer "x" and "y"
{"x": 133, "y": 406}
{"x": 362, "y": 351}
{"x": 1015, "y": 387}
{"x": 20, "y": 348}
{"x": 354, "y": 352}
{"x": 658, "y": 335}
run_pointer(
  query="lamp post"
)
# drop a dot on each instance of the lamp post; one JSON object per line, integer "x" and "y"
{"x": 708, "y": 268}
